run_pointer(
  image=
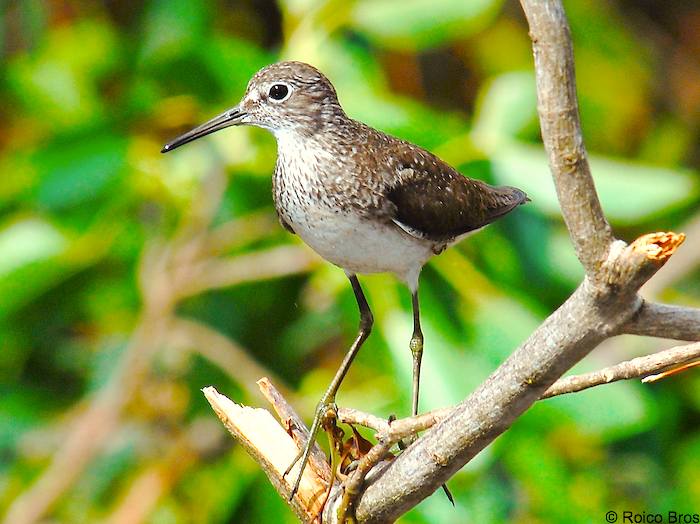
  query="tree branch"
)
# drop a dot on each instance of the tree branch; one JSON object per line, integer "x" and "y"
{"x": 561, "y": 132}
{"x": 593, "y": 313}
{"x": 644, "y": 366}
{"x": 664, "y": 321}
{"x": 294, "y": 425}
{"x": 268, "y": 444}
{"x": 635, "y": 368}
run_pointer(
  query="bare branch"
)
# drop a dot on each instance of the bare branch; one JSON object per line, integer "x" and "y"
{"x": 664, "y": 321}
{"x": 682, "y": 263}
{"x": 396, "y": 429}
{"x": 360, "y": 418}
{"x": 272, "y": 448}
{"x": 294, "y": 426}
{"x": 269, "y": 263}
{"x": 635, "y": 368}
{"x": 671, "y": 371}
{"x": 561, "y": 132}
{"x": 593, "y": 313}
{"x": 391, "y": 433}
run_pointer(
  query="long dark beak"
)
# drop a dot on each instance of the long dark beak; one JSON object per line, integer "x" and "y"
{"x": 232, "y": 117}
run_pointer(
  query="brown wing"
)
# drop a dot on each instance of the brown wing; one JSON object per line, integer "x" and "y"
{"x": 436, "y": 202}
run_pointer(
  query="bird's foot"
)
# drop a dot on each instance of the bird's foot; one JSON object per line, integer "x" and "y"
{"x": 324, "y": 417}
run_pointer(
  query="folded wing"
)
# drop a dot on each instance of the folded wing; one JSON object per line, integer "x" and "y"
{"x": 434, "y": 201}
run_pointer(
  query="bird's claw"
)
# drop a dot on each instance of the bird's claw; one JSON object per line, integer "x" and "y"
{"x": 324, "y": 417}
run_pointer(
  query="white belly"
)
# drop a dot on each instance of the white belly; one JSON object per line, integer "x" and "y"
{"x": 361, "y": 246}
{"x": 316, "y": 206}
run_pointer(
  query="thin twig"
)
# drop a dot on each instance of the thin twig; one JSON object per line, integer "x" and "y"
{"x": 634, "y": 368}
{"x": 670, "y": 372}
{"x": 354, "y": 416}
{"x": 390, "y": 433}
{"x": 261, "y": 265}
{"x": 396, "y": 429}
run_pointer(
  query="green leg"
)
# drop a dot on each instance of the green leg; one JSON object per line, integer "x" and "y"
{"x": 416, "y": 346}
{"x": 328, "y": 399}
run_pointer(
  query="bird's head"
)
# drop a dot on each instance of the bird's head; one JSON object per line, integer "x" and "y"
{"x": 282, "y": 97}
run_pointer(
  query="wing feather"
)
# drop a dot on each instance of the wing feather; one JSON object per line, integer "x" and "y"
{"x": 436, "y": 202}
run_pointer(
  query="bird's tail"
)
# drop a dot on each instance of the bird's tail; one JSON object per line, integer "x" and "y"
{"x": 517, "y": 196}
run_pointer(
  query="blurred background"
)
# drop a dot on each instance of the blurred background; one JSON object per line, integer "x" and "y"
{"x": 131, "y": 279}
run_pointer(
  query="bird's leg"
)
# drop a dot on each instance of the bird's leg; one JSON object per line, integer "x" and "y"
{"x": 416, "y": 346}
{"x": 323, "y": 409}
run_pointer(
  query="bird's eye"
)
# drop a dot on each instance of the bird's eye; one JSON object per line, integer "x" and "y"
{"x": 279, "y": 92}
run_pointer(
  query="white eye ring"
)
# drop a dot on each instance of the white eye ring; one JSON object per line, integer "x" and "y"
{"x": 279, "y": 92}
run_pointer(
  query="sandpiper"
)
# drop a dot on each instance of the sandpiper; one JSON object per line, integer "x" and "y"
{"x": 363, "y": 200}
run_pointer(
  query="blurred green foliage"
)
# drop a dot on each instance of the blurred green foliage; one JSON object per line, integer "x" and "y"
{"x": 95, "y": 228}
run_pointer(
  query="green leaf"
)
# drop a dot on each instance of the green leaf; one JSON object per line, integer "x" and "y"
{"x": 27, "y": 241}
{"x": 647, "y": 190}
{"x": 79, "y": 170}
{"x": 58, "y": 84}
{"x": 173, "y": 27}
{"x": 421, "y": 23}
{"x": 505, "y": 107}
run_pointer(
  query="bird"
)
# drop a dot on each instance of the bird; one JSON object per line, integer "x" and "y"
{"x": 364, "y": 200}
